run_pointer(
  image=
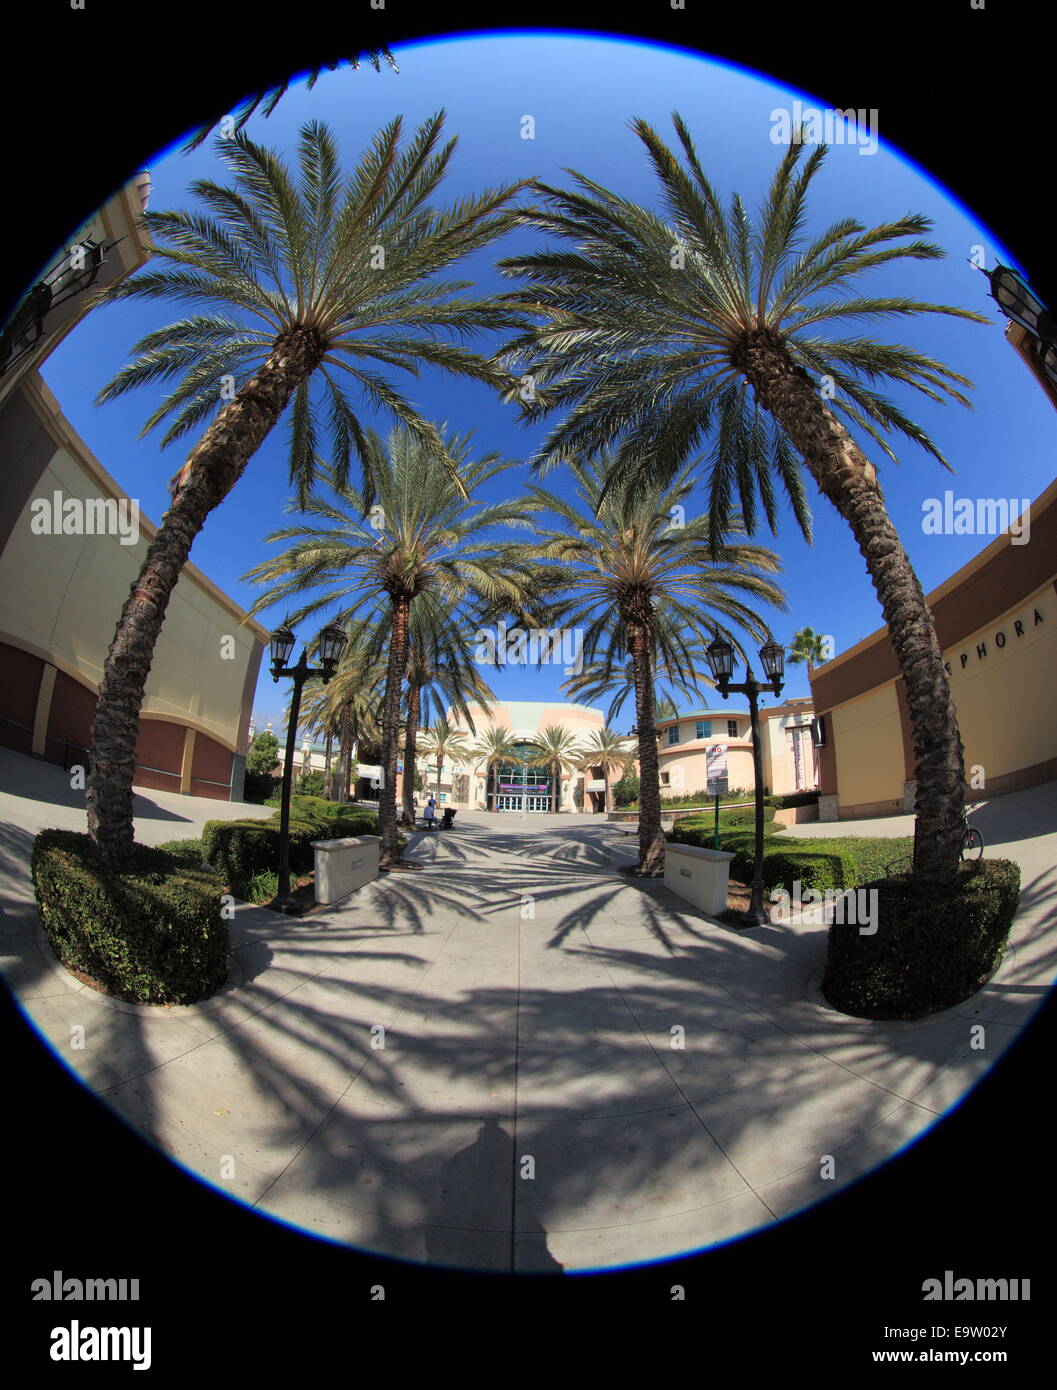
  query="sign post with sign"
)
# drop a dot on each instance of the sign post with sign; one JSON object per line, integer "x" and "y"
{"x": 716, "y": 772}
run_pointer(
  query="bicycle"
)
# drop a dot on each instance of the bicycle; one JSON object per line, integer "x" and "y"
{"x": 972, "y": 841}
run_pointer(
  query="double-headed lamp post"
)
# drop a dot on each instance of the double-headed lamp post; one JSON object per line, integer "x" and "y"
{"x": 1018, "y": 302}
{"x": 329, "y": 644}
{"x": 720, "y": 656}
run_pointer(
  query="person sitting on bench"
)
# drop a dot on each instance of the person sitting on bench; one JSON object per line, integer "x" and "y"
{"x": 429, "y": 815}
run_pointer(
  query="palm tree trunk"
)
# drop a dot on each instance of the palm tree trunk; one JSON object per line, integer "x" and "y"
{"x": 345, "y": 753}
{"x": 326, "y": 766}
{"x": 394, "y": 679}
{"x": 605, "y": 797}
{"x": 849, "y": 480}
{"x": 410, "y": 739}
{"x": 212, "y": 470}
{"x": 651, "y": 837}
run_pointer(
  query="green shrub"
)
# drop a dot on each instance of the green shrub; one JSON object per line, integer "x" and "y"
{"x": 242, "y": 850}
{"x": 312, "y": 784}
{"x": 791, "y": 799}
{"x": 239, "y": 849}
{"x": 846, "y": 862}
{"x": 149, "y": 934}
{"x": 930, "y": 951}
{"x": 258, "y": 786}
{"x": 187, "y": 851}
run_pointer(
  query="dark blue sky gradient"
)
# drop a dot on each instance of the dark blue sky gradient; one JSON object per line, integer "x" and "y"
{"x": 582, "y": 92}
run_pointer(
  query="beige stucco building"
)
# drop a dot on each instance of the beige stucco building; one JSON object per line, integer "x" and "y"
{"x": 61, "y": 593}
{"x": 688, "y": 743}
{"x": 71, "y": 545}
{"x": 996, "y": 619}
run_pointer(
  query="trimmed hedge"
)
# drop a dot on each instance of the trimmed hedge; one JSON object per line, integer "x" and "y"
{"x": 240, "y": 850}
{"x": 150, "y": 934}
{"x": 930, "y": 952}
{"x": 844, "y": 862}
{"x": 791, "y": 799}
{"x": 187, "y": 851}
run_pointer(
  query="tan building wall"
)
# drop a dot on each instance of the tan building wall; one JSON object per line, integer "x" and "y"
{"x": 60, "y": 599}
{"x": 996, "y": 619}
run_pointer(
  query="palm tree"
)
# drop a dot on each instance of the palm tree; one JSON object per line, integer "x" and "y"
{"x": 644, "y": 592}
{"x": 559, "y": 750}
{"x": 495, "y": 746}
{"x": 809, "y": 646}
{"x": 424, "y": 537}
{"x": 611, "y": 752}
{"x": 662, "y": 330}
{"x": 441, "y": 676}
{"x": 442, "y": 741}
{"x": 301, "y": 282}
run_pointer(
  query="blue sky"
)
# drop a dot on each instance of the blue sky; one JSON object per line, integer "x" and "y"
{"x": 581, "y": 92}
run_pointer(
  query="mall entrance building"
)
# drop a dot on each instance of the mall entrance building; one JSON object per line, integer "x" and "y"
{"x": 517, "y": 786}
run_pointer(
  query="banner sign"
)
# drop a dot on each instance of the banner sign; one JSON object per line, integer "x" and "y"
{"x": 532, "y": 789}
{"x": 716, "y": 763}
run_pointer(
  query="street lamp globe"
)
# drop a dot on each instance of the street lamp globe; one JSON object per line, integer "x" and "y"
{"x": 331, "y": 645}
{"x": 720, "y": 656}
{"x": 772, "y": 657}
{"x": 282, "y": 645}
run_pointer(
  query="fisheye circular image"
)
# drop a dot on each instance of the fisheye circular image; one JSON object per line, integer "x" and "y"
{"x": 528, "y": 604}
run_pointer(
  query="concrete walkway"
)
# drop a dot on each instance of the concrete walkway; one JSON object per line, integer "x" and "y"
{"x": 516, "y": 1058}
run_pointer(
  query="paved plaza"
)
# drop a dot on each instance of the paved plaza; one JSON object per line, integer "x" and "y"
{"x": 515, "y": 1057}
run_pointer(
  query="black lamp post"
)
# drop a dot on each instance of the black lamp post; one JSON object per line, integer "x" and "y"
{"x": 330, "y": 644}
{"x": 720, "y": 656}
{"x": 1018, "y": 302}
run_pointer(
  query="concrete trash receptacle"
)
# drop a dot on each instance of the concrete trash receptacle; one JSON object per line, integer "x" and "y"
{"x": 700, "y": 876}
{"x": 342, "y": 866}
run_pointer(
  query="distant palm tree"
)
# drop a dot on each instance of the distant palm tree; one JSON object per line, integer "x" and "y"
{"x": 330, "y": 275}
{"x": 809, "y": 646}
{"x": 659, "y": 331}
{"x": 617, "y": 569}
{"x": 441, "y": 675}
{"x": 493, "y": 747}
{"x": 443, "y": 741}
{"x": 612, "y": 753}
{"x": 559, "y": 750}
{"x": 348, "y": 706}
{"x": 421, "y": 536}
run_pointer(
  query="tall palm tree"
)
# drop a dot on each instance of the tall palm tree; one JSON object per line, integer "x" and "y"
{"x": 662, "y": 330}
{"x": 559, "y": 750}
{"x": 808, "y": 645}
{"x": 424, "y": 537}
{"x": 643, "y": 591}
{"x": 443, "y": 741}
{"x": 611, "y": 752}
{"x": 441, "y": 676}
{"x": 300, "y": 282}
{"x": 496, "y": 745}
